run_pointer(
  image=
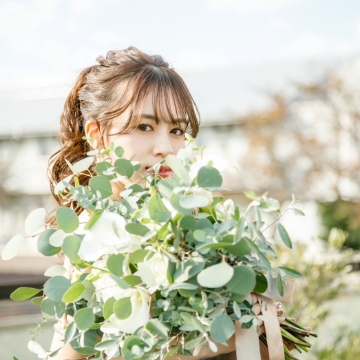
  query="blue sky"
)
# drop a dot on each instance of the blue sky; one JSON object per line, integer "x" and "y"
{"x": 48, "y": 41}
{"x": 228, "y": 51}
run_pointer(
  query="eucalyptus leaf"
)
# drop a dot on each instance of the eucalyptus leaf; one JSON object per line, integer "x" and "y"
{"x": 284, "y": 236}
{"x": 84, "y": 318}
{"x": 66, "y": 219}
{"x": 194, "y": 201}
{"x": 209, "y": 178}
{"x": 115, "y": 264}
{"x": 124, "y": 168}
{"x": 136, "y": 229}
{"x": 57, "y": 238}
{"x": 101, "y": 184}
{"x": 297, "y": 211}
{"x": 55, "y": 270}
{"x": 13, "y": 247}
{"x": 24, "y": 293}
{"x": 222, "y": 328}
{"x": 35, "y": 220}
{"x": 52, "y": 308}
{"x": 108, "y": 308}
{"x": 178, "y": 168}
{"x": 71, "y": 246}
{"x": 157, "y": 328}
{"x": 56, "y": 287}
{"x": 82, "y": 165}
{"x": 122, "y": 308}
{"x": 280, "y": 285}
{"x": 290, "y": 272}
{"x": 43, "y": 244}
{"x": 73, "y": 294}
{"x": 157, "y": 210}
{"x": 70, "y": 332}
{"x": 216, "y": 275}
{"x": 243, "y": 281}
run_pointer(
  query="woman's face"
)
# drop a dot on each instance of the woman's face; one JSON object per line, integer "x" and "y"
{"x": 150, "y": 142}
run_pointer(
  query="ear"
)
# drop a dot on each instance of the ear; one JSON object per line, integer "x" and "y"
{"x": 93, "y": 135}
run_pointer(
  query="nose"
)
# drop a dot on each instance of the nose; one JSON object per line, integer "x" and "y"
{"x": 163, "y": 145}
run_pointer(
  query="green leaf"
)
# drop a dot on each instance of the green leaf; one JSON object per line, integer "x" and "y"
{"x": 269, "y": 204}
{"x": 108, "y": 308}
{"x": 115, "y": 264}
{"x": 106, "y": 344}
{"x": 194, "y": 201}
{"x": 70, "y": 332}
{"x": 119, "y": 151}
{"x": 71, "y": 246}
{"x": 243, "y": 280}
{"x": 157, "y": 210}
{"x": 284, "y": 236}
{"x": 101, "y": 184}
{"x": 24, "y": 293}
{"x": 84, "y": 318}
{"x": 239, "y": 249}
{"x": 175, "y": 202}
{"x": 157, "y": 328}
{"x": 86, "y": 343}
{"x": 95, "y": 216}
{"x": 55, "y": 270}
{"x": 216, "y": 275}
{"x": 188, "y": 223}
{"x": 57, "y": 238}
{"x": 261, "y": 283}
{"x": 43, "y": 244}
{"x": 178, "y": 168}
{"x": 56, "y": 287}
{"x": 124, "y": 168}
{"x": 52, "y": 308}
{"x": 37, "y": 300}
{"x": 290, "y": 272}
{"x": 297, "y": 211}
{"x": 136, "y": 229}
{"x": 73, "y": 294}
{"x": 132, "y": 280}
{"x": 209, "y": 178}
{"x": 67, "y": 220}
{"x": 103, "y": 168}
{"x": 250, "y": 195}
{"x": 264, "y": 260}
{"x": 35, "y": 220}
{"x": 280, "y": 285}
{"x": 82, "y": 165}
{"x": 222, "y": 328}
{"x": 122, "y": 308}
{"x": 12, "y": 248}
{"x": 139, "y": 256}
{"x": 166, "y": 187}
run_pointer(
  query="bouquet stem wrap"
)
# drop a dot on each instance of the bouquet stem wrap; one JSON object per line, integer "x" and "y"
{"x": 248, "y": 345}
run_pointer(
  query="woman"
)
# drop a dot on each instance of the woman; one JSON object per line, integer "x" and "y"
{"x": 133, "y": 100}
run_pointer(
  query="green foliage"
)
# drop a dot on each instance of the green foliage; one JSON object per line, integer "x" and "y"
{"x": 344, "y": 215}
{"x": 168, "y": 262}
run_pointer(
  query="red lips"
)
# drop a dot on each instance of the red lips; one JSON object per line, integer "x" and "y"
{"x": 164, "y": 171}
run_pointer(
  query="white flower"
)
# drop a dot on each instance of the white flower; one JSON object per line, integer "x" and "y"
{"x": 153, "y": 272}
{"x": 139, "y": 312}
{"x": 108, "y": 236}
{"x": 106, "y": 287}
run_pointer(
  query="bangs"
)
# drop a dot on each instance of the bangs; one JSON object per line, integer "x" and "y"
{"x": 171, "y": 100}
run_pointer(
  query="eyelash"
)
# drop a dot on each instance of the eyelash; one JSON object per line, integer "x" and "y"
{"x": 142, "y": 127}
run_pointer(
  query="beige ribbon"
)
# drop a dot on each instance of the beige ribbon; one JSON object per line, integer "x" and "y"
{"x": 248, "y": 345}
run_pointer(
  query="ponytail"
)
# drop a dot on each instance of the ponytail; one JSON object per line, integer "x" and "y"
{"x": 73, "y": 145}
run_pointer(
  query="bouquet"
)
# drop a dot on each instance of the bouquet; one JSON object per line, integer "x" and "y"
{"x": 166, "y": 270}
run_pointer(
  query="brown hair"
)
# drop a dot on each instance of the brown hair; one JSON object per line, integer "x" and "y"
{"x": 102, "y": 92}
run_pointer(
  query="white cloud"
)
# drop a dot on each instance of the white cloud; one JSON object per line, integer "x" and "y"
{"x": 82, "y": 6}
{"x": 308, "y": 45}
{"x": 252, "y": 6}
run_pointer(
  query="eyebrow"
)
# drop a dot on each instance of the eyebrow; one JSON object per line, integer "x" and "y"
{"x": 154, "y": 118}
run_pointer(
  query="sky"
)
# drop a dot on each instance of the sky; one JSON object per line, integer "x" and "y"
{"x": 45, "y": 43}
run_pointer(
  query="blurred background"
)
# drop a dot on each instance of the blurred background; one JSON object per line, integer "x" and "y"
{"x": 277, "y": 83}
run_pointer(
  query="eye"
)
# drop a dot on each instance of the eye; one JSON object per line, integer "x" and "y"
{"x": 178, "y": 131}
{"x": 145, "y": 127}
